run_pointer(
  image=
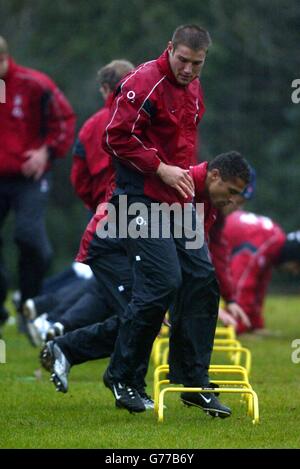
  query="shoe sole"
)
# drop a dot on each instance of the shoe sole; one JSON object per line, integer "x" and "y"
{"x": 47, "y": 361}
{"x": 58, "y": 384}
{"x": 119, "y": 405}
{"x": 213, "y": 412}
{"x": 47, "y": 358}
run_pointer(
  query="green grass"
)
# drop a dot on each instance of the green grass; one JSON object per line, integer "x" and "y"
{"x": 33, "y": 415}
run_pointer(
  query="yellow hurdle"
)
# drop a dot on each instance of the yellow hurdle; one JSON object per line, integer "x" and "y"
{"x": 242, "y": 351}
{"x": 241, "y": 390}
{"x": 241, "y": 383}
{"x": 213, "y": 369}
{"x": 227, "y": 332}
{"x": 158, "y": 345}
{"x": 225, "y": 341}
{"x": 237, "y": 353}
{"x": 160, "y": 350}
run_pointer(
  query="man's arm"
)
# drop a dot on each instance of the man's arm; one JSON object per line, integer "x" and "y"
{"x": 57, "y": 127}
{"x": 124, "y": 137}
{"x": 81, "y": 177}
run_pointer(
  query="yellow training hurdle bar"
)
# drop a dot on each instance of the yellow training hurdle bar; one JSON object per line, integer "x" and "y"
{"x": 227, "y": 332}
{"x": 233, "y": 346}
{"x": 252, "y": 407}
{"x": 213, "y": 369}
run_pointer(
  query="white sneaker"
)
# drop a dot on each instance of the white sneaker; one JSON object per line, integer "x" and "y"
{"x": 29, "y": 309}
{"x": 38, "y": 328}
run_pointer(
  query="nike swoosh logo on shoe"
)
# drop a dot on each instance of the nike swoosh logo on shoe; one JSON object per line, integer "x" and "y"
{"x": 117, "y": 396}
{"x": 207, "y": 400}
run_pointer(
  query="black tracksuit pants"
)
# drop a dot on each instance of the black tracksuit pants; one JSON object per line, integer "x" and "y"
{"x": 82, "y": 306}
{"x": 27, "y": 199}
{"x": 57, "y": 302}
{"x": 162, "y": 268}
{"x": 96, "y": 341}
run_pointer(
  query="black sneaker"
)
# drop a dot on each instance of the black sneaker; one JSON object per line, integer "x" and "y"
{"x": 208, "y": 402}
{"x": 214, "y": 385}
{"x": 126, "y": 396}
{"x": 54, "y": 360}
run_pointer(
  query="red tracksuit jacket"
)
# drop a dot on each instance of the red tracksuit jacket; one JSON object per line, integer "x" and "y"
{"x": 35, "y": 113}
{"x": 152, "y": 119}
{"x": 91, "y": 164}
{"x": 254, "y": 245}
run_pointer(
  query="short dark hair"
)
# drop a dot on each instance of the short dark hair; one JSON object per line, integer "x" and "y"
{"x": 192, "y": 36}
{"x": 112, "y": 73}
{"x": 231, "y": 165}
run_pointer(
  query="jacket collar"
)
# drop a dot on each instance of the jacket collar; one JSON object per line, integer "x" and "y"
{"x": 164, "y": 66}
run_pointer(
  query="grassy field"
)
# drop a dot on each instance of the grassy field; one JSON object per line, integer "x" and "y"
{"x": 33, "y": 415}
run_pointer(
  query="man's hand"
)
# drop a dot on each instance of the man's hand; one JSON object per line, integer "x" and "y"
{"x": 238, "y": 313}
{"x": 36, "y": 162}
{"x": 226, "y": 318}
{"x": 177, "y": 178}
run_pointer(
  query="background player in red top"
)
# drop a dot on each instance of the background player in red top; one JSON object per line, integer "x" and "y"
{"x": 89, "y": 175}
{"x": 90, "y": 170}
{"x": 37, "y": 125}
{"x": 256, "y": 245}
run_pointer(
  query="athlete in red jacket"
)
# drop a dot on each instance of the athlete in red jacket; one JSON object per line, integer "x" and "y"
{"x": 245, "y": 248}
{"x": 37, "y": 125}
{"x": 255, "y": 243}
{"x": 151, "y": 136}
{"x": 91, "y": 163}
{"x": 152, "y": 131}
{"x": 215, "y": 187}
{"x": 35, "y": 116}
